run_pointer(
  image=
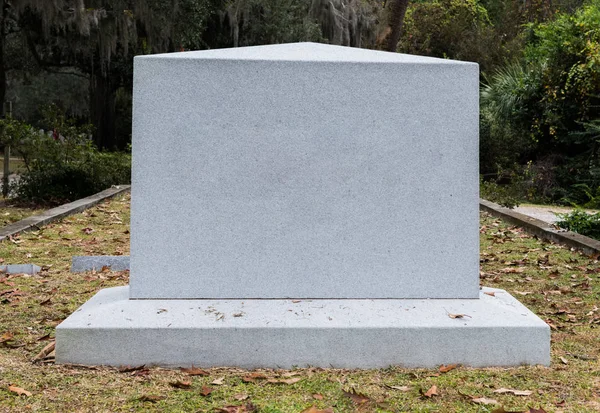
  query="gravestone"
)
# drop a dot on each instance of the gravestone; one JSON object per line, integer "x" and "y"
{"x": 304, "y": 204}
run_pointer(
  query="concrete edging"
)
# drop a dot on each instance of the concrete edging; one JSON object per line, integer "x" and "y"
{"x": 542, "y": 229}
{"x": 37, "y": 221}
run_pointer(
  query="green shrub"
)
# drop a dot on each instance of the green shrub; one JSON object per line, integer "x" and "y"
{"x": 581, "y": 222}
{"x": 501, "y": 194}
{"x": 509, "y": 188}
{"x": 460, "y": 29}
{"x": 60, "y": 182}
{"x": 545, "y": 110}
{"x": 62, "y": 166}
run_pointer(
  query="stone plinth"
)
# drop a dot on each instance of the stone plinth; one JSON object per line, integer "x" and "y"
{"x": 111, "y": 329}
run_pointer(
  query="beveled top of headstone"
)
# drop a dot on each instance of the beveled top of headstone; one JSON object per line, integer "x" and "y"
{"x": 305, "y": 52}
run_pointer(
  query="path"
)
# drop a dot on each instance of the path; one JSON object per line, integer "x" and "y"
{"x": 545, "y": 213}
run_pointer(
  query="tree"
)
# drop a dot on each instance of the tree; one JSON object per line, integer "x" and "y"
{"x": 254, "y": 22}
{"x": 99, "y": 39}
{"x": 397, "y": 11}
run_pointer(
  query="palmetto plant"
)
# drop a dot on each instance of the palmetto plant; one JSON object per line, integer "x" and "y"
{"x": 505, "y": 92}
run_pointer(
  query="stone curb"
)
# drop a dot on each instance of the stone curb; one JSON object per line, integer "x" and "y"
{"x": 37, "y": 221}
{"x": 542, "y": 229}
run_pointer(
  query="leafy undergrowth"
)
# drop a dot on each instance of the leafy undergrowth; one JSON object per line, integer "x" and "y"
{"x": 560, "y": 285}
{"x": 9, "y": 212}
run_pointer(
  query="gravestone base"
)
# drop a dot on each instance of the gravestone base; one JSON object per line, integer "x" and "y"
{"x": 111, "y": 329}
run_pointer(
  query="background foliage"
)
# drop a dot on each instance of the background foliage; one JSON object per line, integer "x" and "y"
{"x": 542, "y": 112}
{"x": 63, "y": 165}
{"x": 539, "y": 63}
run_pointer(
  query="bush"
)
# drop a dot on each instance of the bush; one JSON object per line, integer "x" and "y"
{"x": 506, "y": 195}
{"x": 581, "y": 222}
{"x": 545, "y": 111}
{"x": 458, "y": 29}
{"x": 64, "y": 165}
{"x": 66, "y": 181}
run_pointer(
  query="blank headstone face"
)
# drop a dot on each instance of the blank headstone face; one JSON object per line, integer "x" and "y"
{"x": 304, "y": 171}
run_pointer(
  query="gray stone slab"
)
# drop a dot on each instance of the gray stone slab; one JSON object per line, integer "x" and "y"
{"x": 305, "y": 171}
{"x": 96, "y": 263}
{"x": 20, "y": 269}
{"x": 111, "y": 329}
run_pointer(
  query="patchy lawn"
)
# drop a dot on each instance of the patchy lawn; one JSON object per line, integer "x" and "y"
{"x": 9, "y": 212}
{"x": 561, "y": 286}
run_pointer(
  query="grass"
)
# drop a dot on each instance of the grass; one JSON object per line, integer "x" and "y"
{"x": 9, "y": 212}
{"x": 560, "y": 285}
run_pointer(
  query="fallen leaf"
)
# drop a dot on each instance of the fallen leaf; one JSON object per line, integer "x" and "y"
{"x": 46, "y": 351}
{"x": 512, "y": 270}
{"x": 241, "y": 396}
{"x": 564, "y": 360}
{"x": 356, "y": 397}
{"x": 218, "y": 382}
{"x": 317, "y": 396}
{"x": 245, "y": 408}
{"x": 206, "y": 390}
{"x": 582, "y": 357}
{"x": 19, "y": 391}
{"x": 284, "y": 381}
{"x": 181, "y": 384}
{"x": 401, "y": 388}
{"x": 513, "y": 391}
{"x": 8, "y": 336}
{"x": 14, "y": 240}
{"x": 446, "y": 369}
{"x": 483, "y": 400}
{"x": 251, "y": 378}
{"x": 194, "y": 371}
{"x": 141, "y": 373}
{"x": 313, "y": 409}
{"x": 429, "y": 393}
{"x": 87, "y": 230}
{"x": 129, "y": 369}
{"x": 492, "y": 293}
{"x": 458, "y": 315}
{"x": 501, "y": 410}
{"x": 151, "y": 398}
{"x": 540, "y": 410}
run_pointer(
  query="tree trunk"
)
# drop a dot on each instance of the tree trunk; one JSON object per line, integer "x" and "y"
{"x": 102, "y": 110}
{"x": 396, "y": 20}
{"x": 2, "y": 64}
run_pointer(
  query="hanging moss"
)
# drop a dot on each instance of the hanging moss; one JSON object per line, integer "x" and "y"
{"x": 342, "y": 22}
